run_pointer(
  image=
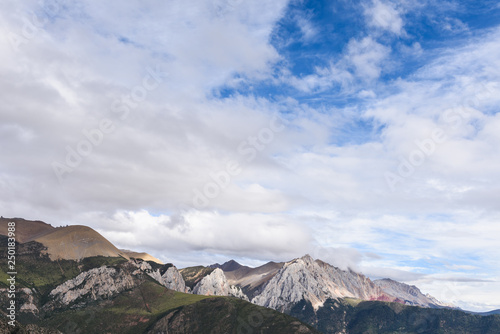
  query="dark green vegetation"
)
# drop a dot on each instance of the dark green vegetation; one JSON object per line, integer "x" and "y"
{"x": 371, "y": 317}
{"x": 228, "y": 315}
{"x": 35, "y": 270}
{"x": 147, "y": 307}
{"x": 131, "y": 311}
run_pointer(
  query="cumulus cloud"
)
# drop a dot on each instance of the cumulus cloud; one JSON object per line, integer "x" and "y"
{"x": 367, "y": 57}
{"x": 385, "y": 16}
{"x": 255, "y": 236}
{"x": 362, "y": 61}
{"x": 314, "y": 181}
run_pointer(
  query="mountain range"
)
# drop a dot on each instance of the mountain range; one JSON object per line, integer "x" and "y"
{"x": 72, "y": 280}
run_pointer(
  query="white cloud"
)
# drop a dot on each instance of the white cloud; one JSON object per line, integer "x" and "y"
{"x": 254, "y": 236}
{"x": 67, "y": 76}
{"x": 323, "y": 79}
{"x": 309, "y": 32}
{"x": 367, "y": 56}
{"x": 385, "y": 16}
{"x": 362, "y": 62}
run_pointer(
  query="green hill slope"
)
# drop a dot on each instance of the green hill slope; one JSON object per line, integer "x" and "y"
{"x": 373, "y": 317}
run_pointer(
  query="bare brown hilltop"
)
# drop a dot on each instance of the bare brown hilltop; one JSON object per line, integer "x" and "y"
{"x": 73, "y": 242}
{"x": 26, "y": 230}
{"x": 76, "y": 242}
{"x": 141, "y": 255}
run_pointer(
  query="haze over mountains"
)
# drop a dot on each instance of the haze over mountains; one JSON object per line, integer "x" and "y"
{"x": 273, "y": 285}
{"x": 75, "y": 269}
{"x": 202, "y": 131}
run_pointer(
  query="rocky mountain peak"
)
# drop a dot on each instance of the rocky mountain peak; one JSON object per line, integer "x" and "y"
{"x": 304, "y": 278}
{"x": 216, "y": 284}
{"x": 230, "y": 265}
{"x": 409, "y": 294}
{"x": 167, "y": 275}
{"x": 307, "y": 258}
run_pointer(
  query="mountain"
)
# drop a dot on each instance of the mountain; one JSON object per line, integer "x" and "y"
{"x": 315, "y": 282}
{"x": 230, "y": 265}
{"x": 247, "y": 281}
{"x": 77, "y": 242}
{"x": 281, "y": 285}
{"x": 193, "y": 275}
{"x": 343, "y": 301}
{"x": 215, "y": 284}
{"x": 232, "y": 316}
{"x": 117, "y": 295}
{"x": 26, "y": 230}
{"x": 167, "y": 275}
{"x": 73, "y": 242}
{"x": 141, "y": 255}
{"x": 117, "y": 291}
{"x": 409, "y": 294}
{"x": 493, "y": 312}
{"x": 375, "y": 317}
{"x": 252, "y": 280}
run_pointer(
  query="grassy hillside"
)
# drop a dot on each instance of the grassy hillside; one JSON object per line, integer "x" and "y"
{"x": 131, "y": 311}
{"x": 371, "y": 317}
{"x": 148, "y": 307}
{"x": 151, "y": 308}
{"x": 227, "y": 315}
{"x": 36, "y": 270}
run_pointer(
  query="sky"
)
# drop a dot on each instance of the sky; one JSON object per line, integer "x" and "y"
{"x": 365, "y": 133}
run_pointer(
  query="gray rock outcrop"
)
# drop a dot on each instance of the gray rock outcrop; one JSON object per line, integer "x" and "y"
{"x": 94, "y": 284}
{"x": 171, "y": 278}
{"x": 314, "y": 281}
{"x": 215, "y": 284}
{"x": 409, "y": 294}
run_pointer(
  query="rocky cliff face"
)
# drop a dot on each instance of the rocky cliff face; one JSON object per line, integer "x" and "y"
{"x": 314, "y": 281}
{"x": 27, "y": 302}
{"x": 216, "y": 284}
{"x": 251, "y": 280}
{"x": 172, "y": 279}
{"x": 283, "y": 285}
{"x": 95, "y": 284}
{"x": 408, "y": 294}
{"x": 168, "y": 276}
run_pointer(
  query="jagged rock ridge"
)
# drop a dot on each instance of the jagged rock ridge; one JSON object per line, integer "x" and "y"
{"x": 167, "y": 275}
{"x": 315, "y": 281}
{"x": 94, "y": 284}
{"x": 215, "y": 284}
{"x": 409, "y": 294}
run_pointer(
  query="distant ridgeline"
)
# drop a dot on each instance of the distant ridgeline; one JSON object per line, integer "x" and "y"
{"x": 72, "y": 280}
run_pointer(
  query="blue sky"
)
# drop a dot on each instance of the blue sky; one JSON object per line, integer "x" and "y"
{"x": 365, "y": 133}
